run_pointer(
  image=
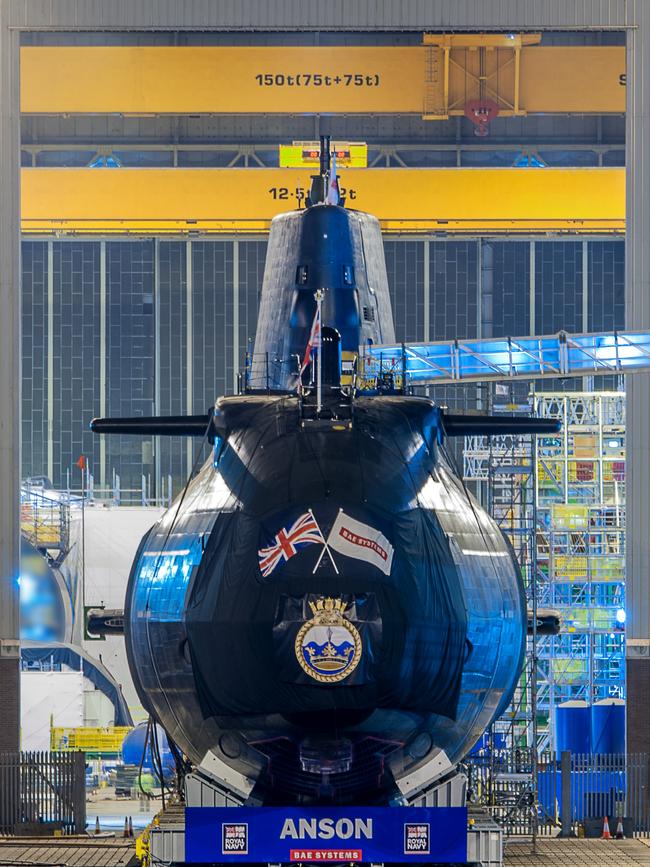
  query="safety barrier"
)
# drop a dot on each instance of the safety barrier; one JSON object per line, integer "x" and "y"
{"x": 100, "y": 741}
{"x": 573, "y": 792}
{"x": 42, "y": 789}
{"x": 589, "y": 787}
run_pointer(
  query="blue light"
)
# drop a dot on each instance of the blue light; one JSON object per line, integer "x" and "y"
{"x": 524, "y": 161}
{"x": 105, "y": 162}
{"x": 27, "y": 586}
{"x": 620, "y": 615}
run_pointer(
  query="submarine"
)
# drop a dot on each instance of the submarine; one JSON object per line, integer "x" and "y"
{"x": 325, "y": 614}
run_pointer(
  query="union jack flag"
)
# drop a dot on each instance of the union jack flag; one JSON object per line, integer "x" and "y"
{"x": 304, "y": 531}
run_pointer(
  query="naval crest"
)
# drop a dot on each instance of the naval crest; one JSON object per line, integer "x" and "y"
{"x": 328, "y": 646}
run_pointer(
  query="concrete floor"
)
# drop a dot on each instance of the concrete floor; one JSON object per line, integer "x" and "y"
{"x": 112, "y": 811}
{"x": 579, "y": 853}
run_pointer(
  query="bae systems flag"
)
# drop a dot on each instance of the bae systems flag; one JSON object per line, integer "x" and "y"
{"x": 355, "y": 539}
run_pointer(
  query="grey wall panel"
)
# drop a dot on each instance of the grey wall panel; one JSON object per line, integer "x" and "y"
{"x": 405, "y": 269}
{"x": 453, "y": 306}
{"x": 225, "y": 279}
{"x": 129, "y": 354}
{"x": 252, "y": 255}
{"x": 558, "y": 297}
{"x": 34, "y": 358}
{"x": 76, "y": 279}
{"x": 558, "y": 286}
{"x": 171, "y": 363}
{"x": 510, "y": 295}
{"x": 453, "y": 289}
{"x": 314, "y": 14}
{"x": 212, "y": 317}
{"x": 606, "y": 308}
{"x": 260, "y": 129}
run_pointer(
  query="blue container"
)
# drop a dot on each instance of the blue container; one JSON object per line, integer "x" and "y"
{"x": 482, "y": 745}
{"x": 132, "y": 747}
{"x": 608, "y": 726}
{"x": 573, "y": 727}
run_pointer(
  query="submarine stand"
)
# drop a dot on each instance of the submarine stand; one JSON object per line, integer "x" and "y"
{"x": 171, "y": 841}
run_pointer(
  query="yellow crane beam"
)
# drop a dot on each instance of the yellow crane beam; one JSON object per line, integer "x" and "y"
{"x": 435, "y": 80}
{"x": 153, "y": 201}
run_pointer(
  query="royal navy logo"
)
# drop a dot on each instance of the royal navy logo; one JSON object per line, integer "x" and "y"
{"x": 328, "y": 647}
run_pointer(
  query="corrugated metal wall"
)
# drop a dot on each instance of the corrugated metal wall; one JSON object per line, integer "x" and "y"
{"x": 315, "y": 14}
{"x": 105, "y": 324}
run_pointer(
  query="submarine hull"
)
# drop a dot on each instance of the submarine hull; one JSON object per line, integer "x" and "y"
{"x": 324, "y": 609}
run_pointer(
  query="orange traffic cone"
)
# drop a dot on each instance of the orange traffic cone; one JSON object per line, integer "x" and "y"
{"x": 125, "y": 833}
{"x": 620, "y": 833}
{"x": 606, "y": 835}
{"x": 130, "y": 827}
{"x": 98, "y": 830}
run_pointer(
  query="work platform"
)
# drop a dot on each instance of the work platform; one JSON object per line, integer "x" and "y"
{"x": 68, "y": 851}
{"x": 579, "y": 853}
{"x": 112, "y": 852}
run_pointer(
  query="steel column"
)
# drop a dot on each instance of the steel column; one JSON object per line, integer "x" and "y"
{"x": 158, "y": 487}
{"x": 189, "y": 349}
{"x": 587, "y": 381}
{"x": 426, "y": 296}
{"x": 637, "y": 282}
{"x": 235, "y": 314}
{"x": 102, "y": 360}
{"x": 531, "y": 289}
{"x": 50, "y": 360}
{"x": 10, "y": 353}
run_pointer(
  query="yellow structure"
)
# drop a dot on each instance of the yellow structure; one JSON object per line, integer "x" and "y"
{"x": 510, "y": 200}
{"x": 434, "y": 80}
{"x": 41, "y": 522}
{"x": 88, "y": 740}
{"x": 306, "y": 155}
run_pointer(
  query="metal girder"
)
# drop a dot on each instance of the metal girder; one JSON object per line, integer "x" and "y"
{"x": 436, "y": 80}
{"x": 129, "y": 200}
{"x": 527, "y": 358}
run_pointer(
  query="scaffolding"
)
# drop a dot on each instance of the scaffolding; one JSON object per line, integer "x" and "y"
{"x": 581, "y": 547}
{"x": 45, "y": 521}
{"x": 567, "y": 493}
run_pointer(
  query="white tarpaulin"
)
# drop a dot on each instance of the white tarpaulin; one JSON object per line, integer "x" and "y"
{"x": 355, "y": 539}
{"x": 55, "y": 697}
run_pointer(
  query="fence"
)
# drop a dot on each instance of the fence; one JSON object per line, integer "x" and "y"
{"x": 593, "y": 786}
{"x": 573, "y": 792}
{"x": 39, "y": 788}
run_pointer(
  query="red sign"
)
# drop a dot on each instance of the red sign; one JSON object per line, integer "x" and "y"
{"x": 326, "y": 855}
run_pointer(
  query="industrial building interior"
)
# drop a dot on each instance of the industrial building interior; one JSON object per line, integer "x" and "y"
{"x": 147, "y": 151}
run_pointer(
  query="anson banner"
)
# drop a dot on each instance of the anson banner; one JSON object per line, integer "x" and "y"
{"x": 324, "y": 834}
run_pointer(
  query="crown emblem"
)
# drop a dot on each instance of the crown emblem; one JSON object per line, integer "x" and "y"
{"x": 328, "y": 606}
{"x": 328, "y": 647}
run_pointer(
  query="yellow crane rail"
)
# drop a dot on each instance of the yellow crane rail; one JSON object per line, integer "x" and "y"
{"x": 435, "y": 80}
{"x": 156, "y": 201}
